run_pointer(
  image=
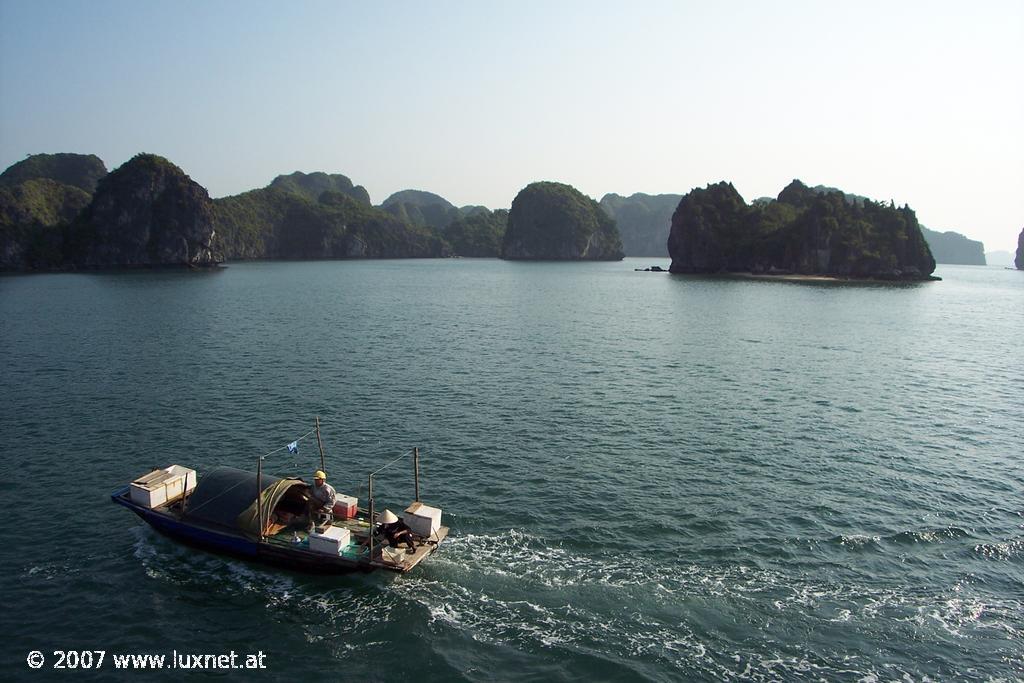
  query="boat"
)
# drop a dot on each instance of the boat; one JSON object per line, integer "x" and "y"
{"x": 261, "y": 517}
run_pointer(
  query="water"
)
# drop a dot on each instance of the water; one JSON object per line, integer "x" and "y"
{"x": 647, "y": 477}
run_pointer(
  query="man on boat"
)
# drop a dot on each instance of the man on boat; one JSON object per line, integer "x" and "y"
{"x": 322, "y": 498}
{"x": 396, "y": 531}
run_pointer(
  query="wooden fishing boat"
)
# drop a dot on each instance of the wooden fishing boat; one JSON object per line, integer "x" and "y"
{"x": 261, "y": 517}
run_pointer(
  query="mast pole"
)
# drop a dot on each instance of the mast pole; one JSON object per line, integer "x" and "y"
{"x": 416, "y": 470}
{"x": 370, "y": 494}
{"x": 184, "y": 495}
{"x": 320, "y": 443}
{"x": 259, "y": 494}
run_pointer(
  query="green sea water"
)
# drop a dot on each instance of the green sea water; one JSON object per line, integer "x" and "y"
{"x": 647, "y": 477}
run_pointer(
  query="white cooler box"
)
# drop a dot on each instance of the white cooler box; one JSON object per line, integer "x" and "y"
{"x": 393, "y": 554}
{"x": 331, "y": 542}
{"x": 182, "y": 480}
{"x": 160, "y": 487}
{"x": 422, "y": 519}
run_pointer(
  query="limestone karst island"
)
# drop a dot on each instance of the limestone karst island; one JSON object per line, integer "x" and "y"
{"x": 66, "y": 212}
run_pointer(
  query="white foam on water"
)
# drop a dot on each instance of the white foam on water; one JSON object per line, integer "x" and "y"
{"x": 520, "y": 564}
{"x": 859, "y": 540}
{"x": 344, "y": 611}
{"x": 522, "y": 591}
{"x": 1005, "y": 550}
{"x": 50, "y": 571}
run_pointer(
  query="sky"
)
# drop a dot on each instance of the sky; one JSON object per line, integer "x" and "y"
{"x": 918, "y": 102}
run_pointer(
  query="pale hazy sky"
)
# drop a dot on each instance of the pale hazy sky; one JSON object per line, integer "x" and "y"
{"x": 919, "y": 102}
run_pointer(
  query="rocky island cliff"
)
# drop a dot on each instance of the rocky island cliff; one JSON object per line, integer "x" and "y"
{"x": 1019, "y": 258}
{"x": 65, "y": 211}
{"x": 62, "y": 211}
{"x": 145, "y": 213}
{"x": 801, "y": 232}
{"x": 554, "y": 221}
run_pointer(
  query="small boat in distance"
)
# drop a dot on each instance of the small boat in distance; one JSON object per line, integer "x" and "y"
{"x": 261, "y": 517}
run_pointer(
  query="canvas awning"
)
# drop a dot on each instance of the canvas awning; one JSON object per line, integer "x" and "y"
{"x": 226, "y": 497}
{"x": 248, "y": 521}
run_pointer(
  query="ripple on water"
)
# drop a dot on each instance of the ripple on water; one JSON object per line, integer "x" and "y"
{"x": 761, "y": 482}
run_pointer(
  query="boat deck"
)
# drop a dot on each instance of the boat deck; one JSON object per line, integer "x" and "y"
{"x": 357, "y": 550}
{"x": 295, "y": 540}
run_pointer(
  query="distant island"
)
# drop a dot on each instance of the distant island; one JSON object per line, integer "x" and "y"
{"x": 954, "y": 248}
{"x": 310, "y": 217}
{"x": 802, "y": 232}
{"x": 947, "y": 247}
{"x": 645, "y": 220}
{"x": 65, "y": 211}
{"x": 554, "y": 221}
{"x": 1018, "y": 260}
{"x": 468, "y": 230}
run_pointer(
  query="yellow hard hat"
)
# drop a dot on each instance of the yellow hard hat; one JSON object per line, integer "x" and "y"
{"x": 319, "y": 474}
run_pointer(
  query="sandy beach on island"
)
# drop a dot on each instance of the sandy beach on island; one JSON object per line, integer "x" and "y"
{"x": 797, "y": 277}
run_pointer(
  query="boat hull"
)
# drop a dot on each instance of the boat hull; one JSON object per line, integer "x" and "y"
{"x": 238, "y": 545}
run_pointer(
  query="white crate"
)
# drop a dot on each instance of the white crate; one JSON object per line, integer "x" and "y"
{"x": 160, "y": 487}
{"x": 393, "y": 554}
{"x": 331, "y": 542}
{"x": 422, "y": 519}
{"x": 181, "y": 480}
{"x": 150, "y": 490}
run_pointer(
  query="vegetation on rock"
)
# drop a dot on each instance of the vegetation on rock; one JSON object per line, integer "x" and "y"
{"x": 424, "y": 209}
{"x": 803, "y": 231}
{"x": 34, "y": 215}
{"x": 417, "y": 197}
{"x": 312, "y": 185}
{"x": 478, "y": 234}
{"x": 946, "y": 247}
{"x": 556, "y": 221}
{"x": 79, "y": 170}
{"x": 272, "y": 223}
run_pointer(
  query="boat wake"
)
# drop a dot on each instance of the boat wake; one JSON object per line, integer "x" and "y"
{"x": 516, "y": 589}
{"x": 547, "y": 600}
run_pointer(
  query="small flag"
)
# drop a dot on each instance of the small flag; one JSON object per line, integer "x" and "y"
{"x": 293, "y": 447}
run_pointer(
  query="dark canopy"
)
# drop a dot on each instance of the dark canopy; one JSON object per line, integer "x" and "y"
{"x": 223, "y": 494}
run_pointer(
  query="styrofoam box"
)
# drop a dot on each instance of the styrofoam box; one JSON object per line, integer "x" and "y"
{"x": 345, "y": 506}
{"x": 181, "y": 480}
{"x": 158, "y": 487}
{"x": 330, "y": 542}
{"x": 422, "y": 519}
{"x": 393, "y": 554}
{"x": 150, "y": 489}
